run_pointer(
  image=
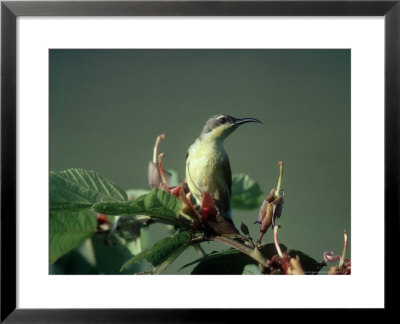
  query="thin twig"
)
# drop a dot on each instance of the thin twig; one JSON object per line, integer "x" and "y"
{"x": 162, "y": 136}
{"x": 278, "y": 248}
{"x": 341, "y": 262}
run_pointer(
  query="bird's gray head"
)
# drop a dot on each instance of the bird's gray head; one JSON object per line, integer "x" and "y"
{"x": 220, "y": 126}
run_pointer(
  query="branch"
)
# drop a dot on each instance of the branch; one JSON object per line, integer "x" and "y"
{"x": 253, "y": 253}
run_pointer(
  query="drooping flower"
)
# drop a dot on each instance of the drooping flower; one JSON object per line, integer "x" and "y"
{"x": 271, "y": 208}
{"x": 330, "y": 257}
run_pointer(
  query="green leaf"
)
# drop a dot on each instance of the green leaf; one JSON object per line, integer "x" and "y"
{"x": 234, "y": 262}
{"x": 77, "y": 189}
{"x": 165, "y": 264}
{"x": 158, "y": 204}
{"x": 68, "y": 230}
{"x": 68, "y": 206}
{"x": 245, "y": 229}
{"x": 246, "y": 193}
{"x": 165, "y": 250}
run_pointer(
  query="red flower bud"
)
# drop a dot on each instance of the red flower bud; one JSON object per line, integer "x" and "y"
{"x": 208, "y": 210}
{"x": 101, "y": 219}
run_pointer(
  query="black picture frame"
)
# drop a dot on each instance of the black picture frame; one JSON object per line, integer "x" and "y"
{"x": 10, "y": 10}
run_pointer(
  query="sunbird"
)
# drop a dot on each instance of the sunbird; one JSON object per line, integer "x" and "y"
{"x": 207, "y": 164}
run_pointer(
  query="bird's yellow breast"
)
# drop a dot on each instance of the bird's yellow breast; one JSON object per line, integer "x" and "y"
{"x": 204, "y": 169}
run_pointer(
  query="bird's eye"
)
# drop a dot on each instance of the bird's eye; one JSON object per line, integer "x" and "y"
{"x": 222, "y": 120}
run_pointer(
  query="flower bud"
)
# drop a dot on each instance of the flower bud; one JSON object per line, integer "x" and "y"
{"x": 208, "y": 210}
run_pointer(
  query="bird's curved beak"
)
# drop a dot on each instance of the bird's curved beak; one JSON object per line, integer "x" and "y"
{"x": 239, "y": 121}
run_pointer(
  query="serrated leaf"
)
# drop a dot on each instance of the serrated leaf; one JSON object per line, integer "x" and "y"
{"x": 246, "y": 193}
{"x": 165, "y": 264}
{"x": 158, "y": 204}
{"x": 68, "y": 206}
{"x": 162, "y": 250}
{"x": 68, "y": 230}
{"x": 78, "y": 189}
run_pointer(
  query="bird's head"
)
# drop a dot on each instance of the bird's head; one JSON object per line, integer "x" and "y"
{"x": 220, "y": 126}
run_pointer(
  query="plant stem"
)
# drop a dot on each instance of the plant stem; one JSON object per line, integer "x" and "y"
{"x": 278, "y": 187}
{"x": 278, "y": 248}
{"x": 160, "y": 170}
{"x": 162, "y": 136}
{"x": 253, "y": 253}
{"x": 344, "y": 250}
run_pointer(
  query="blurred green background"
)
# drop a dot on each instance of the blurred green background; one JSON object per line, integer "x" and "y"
{"x": 108, "y": 106}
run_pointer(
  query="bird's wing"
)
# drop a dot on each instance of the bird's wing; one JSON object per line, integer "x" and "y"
{"x": 226, "y": 169}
